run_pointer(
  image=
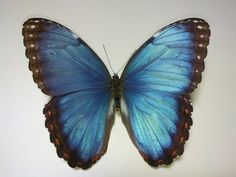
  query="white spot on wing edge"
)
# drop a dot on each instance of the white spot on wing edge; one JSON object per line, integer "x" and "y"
{"x": 32, "y": 26}
{"x": 199, "y": 27}
{"x": 31, "y": 45}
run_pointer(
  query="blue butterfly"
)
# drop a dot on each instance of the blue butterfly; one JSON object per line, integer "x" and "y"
{"x": 152, "y": 93}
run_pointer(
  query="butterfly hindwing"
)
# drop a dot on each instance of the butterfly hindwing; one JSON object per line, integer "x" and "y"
{"x": 65, "y": 68}
{"x": 157, "y": 82}
{"x": 78, "y": 125}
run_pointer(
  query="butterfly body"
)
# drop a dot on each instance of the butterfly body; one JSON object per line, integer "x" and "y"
{"x": 152, "y": 94}
{"x": 116, "y": 88}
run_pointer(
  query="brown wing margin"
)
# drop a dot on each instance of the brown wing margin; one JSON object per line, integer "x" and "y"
{"x": 202, "y": 33}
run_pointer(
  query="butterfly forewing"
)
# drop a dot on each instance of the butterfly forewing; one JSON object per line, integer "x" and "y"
{"x": 61, "y": 62}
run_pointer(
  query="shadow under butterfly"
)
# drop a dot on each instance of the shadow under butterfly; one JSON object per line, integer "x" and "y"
{"x": 152, "y": 93}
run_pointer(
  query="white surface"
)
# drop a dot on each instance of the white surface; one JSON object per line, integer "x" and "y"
{"x": 25, "y": 149}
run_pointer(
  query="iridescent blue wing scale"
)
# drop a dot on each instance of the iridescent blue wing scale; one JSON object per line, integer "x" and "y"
{"x": 64, "y": 67}
{"x": 157, "y": 82}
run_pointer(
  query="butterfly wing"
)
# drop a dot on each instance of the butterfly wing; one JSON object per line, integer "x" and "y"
{"x": 63, "y": 66}
{"x": 157, "y": 82}
{"x": 79, "y": 126}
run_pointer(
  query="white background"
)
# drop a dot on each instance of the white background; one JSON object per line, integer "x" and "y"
{"x": 25, "y": 149}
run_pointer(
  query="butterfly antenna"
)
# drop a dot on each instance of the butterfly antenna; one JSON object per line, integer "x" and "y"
{"x": 108, "y": 58}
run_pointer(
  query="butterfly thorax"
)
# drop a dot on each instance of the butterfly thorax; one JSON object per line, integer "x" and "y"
{"x": 116, "y": 88}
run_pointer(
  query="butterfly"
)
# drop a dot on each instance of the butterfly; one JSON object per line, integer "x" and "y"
{"x": 152, "y": 94}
